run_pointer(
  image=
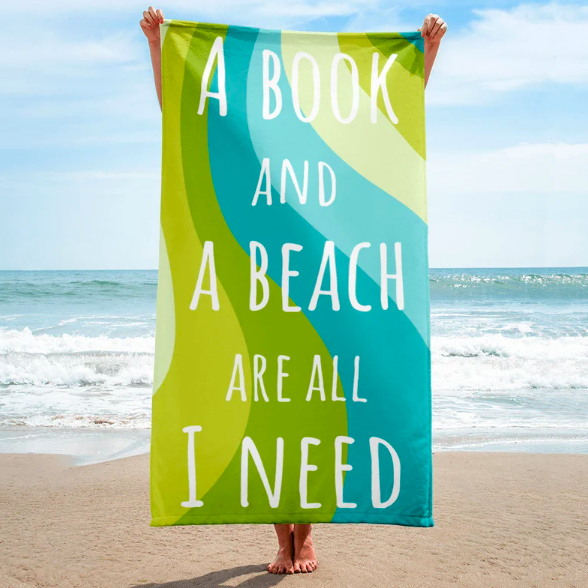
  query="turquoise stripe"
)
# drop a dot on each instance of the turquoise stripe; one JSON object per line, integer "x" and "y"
{"x": 361, "y": 212}
{"x": 394, "y": 357}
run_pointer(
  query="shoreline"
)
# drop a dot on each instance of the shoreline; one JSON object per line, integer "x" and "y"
{"x": 515, "y": 519}
{"x": 86, "y": 446}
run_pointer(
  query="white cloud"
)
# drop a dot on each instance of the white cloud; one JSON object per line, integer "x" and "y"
{"x": 259, "y": 13}
{"x": 506, "y": 50}
{"x": 40, "y": 48}
{"x": 51, "y": 62}
{"x": 545, "y": 168}
{"x": 221, "y": 8}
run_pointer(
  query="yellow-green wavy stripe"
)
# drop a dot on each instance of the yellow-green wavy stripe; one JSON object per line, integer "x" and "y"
{"x": 405, "y": 79}
{"x": 379, "y": 152}
{"x": 176, "y": 401}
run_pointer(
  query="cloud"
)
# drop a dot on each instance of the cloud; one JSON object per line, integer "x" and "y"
{"x": 41, "y": 48}
{"x": 224, "y": 8}
{"x": 506, "y": 50}
{"x": 543, "y": 168}
{"x": 261, "y": 13}
{"x": 45, "y": 62}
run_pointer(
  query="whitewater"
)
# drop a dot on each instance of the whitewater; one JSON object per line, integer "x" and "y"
{"x": 509, "y": 355}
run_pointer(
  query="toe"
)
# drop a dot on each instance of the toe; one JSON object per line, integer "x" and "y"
{"x": 308, "y": 567}
{"x": 303, "y": 568}
{"x": 296, "y": 568}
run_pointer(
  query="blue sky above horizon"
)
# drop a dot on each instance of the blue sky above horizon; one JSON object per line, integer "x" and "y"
{"x": 507, "y": 128}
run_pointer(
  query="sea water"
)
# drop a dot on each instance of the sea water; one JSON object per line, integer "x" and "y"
{"x": 509, "y": 360}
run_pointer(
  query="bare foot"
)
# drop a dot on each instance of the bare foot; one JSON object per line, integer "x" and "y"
{"x": 283, "y": 563}
{"x": 304, "y": 556}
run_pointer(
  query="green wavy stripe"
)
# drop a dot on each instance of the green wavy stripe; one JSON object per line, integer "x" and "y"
{"x": 405, "y": 78}
{"x": 199, "y": 365}
{"x": 410, "y": 57}
{"x": 269, "y": 332}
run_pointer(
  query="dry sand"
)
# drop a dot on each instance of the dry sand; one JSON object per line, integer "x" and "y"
{"x": 501, "y": 520}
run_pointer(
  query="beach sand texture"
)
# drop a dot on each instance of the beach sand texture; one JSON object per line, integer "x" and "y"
{"x": 501, "y": 520}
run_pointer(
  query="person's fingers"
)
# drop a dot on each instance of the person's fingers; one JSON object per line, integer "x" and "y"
{"x": 153, "y": 15}
{"x": 153, "y": 20}
{"x": 432, "y": 21}
{"x": 435, "y": 28}
{"x": 442, "y": 31}
{"x": 160, "y": 15}
{"x": 426, "y": 24}
{"x": 144, "y": 24}
{"x": 147, "y": 17}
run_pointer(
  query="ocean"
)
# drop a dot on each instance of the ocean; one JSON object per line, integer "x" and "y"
{"x": 509, "y": 360}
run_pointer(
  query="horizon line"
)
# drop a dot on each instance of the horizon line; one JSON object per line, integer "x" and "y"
{"x": 430, "y": 268}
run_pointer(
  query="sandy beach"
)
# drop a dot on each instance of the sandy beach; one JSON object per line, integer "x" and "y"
{"x": 501, "y": 520}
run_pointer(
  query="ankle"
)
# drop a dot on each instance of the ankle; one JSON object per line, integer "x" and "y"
{"x": 286, "y": 544}
{"x": 304, "y": 540}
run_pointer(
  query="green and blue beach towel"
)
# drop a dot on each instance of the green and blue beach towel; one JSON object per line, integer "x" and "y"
{"x": 292, "y": 376}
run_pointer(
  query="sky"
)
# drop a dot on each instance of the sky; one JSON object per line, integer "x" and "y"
{"x": 507, "y": 127}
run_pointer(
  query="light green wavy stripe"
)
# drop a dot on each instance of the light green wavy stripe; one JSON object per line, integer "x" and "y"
{"x": 165, "y": 331}
{"x": 379, "y": 152}
{"x": 165, "y": 322}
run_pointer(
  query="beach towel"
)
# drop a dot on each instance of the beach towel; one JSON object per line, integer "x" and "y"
{"x": 292, "y": 364}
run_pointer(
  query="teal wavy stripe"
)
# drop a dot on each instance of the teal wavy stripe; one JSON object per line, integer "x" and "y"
{"x": 269, "y": 332}
{"x": 361, "y": 213}
{"x": 394, "y": 356}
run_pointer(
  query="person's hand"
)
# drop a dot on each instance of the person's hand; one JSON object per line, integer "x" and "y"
{"x": 433, "y": 29}
{"x": 150, "y": 24}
